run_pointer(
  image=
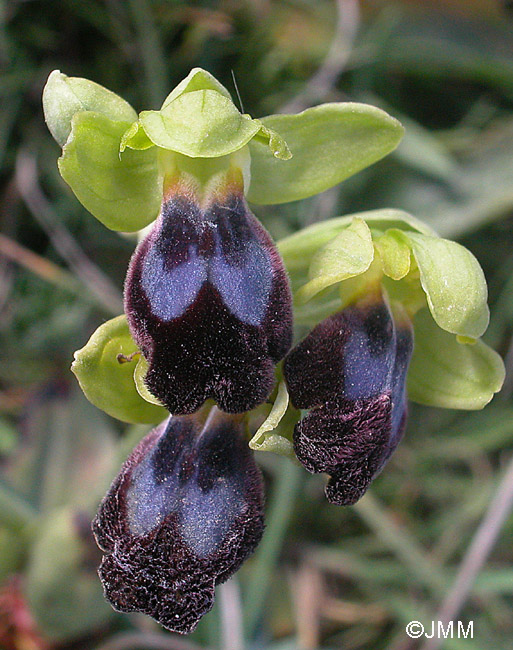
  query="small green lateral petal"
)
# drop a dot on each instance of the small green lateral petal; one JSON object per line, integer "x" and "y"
{"x": 122, "y": 190}
{"x": 276, "y": 144}
{"x": 328, "y": 143}
{"x": 107, "y": 382}
{"x": 347, "y": 255}
{"x": 135, "y": 138}
{"x": 449, "y": 374}
{"x": 197, "y": 79}
{"x": 267, "y": 438}
{"x": 64, "y": 96}
{"x": 454, "y": 283}
{"x": 298, "y": 248}
{"x": 395, "y": 254}
{"x": 199, "y": 124}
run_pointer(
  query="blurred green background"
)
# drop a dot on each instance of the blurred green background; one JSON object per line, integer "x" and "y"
{"x": 433, "y": 538}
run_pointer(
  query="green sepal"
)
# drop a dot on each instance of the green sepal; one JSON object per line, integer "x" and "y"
{"x": 349, "y": 254}
{"x": 65, "y": 96}
{"x": 395, "y": 254}
{"x": 328, "y": 143}
{"x": 197, "y": 79}
{"x": 454, "y": 283}
{"x": 449, "y": 374}
{"x": 122, "y": 190}
{"x": 199, "y": 124}
{"x": 108, "y": 383}
{"x": 297, "y": 249}
{"x": 267, "y": 437}
{"x": 135, "y": 138}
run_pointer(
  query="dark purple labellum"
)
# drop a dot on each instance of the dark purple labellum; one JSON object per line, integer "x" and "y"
{"x": 351, "y": 372}
{"x": 183, "y": 514}
{"x": 208, "y": 302}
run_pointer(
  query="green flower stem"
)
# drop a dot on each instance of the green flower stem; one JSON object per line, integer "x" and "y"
{"x": 423, "y": 569}
{"x": 15, "y": 513}
{"x": 279, "y": 513}
{"x": 151, "y": 51}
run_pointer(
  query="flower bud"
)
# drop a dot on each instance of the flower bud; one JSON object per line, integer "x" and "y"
{"x": 350, "y": 371}
{"x": 208, "y": 302}
{"x": 183, "y": 514}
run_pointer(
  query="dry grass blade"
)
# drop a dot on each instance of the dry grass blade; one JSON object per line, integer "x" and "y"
{"x": 64, "y": 243}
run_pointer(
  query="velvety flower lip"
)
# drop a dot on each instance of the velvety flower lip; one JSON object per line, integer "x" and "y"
{"x": 208, "y": 302}
{"x": 350, "y": 371}
{"x": 183, "y": 514}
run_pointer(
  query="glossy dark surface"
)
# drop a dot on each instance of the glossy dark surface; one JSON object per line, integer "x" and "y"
{"x": 208, "y": 302}
{"x": 184, "y": 513}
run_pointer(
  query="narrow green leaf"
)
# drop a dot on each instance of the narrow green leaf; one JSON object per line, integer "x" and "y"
{"x": 349, "y": 254}
{"x": 107, "y": 382}
{"x": 199, "y": 124}
{"x": 328, "y": 143}
{"x": 267, "y": 438}
{"x": 395, "y": 254}
{"x": 122, "y": 190}
{"x": 64, "y": 96}
{"x": 449, "y": 374}
{"x": 454, "y": 283}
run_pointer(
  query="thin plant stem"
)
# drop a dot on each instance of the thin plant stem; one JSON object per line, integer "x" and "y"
{"x": 477, "y": 553}
{"x": 278, "y": 517}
